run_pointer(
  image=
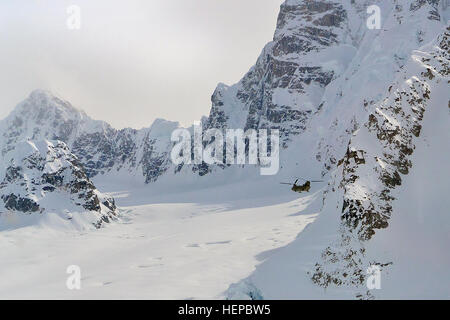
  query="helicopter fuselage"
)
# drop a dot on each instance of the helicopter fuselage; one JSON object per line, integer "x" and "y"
{"x": 301, "y": 188}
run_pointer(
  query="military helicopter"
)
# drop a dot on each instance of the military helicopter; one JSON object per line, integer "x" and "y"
{"x": 303, "y": 187}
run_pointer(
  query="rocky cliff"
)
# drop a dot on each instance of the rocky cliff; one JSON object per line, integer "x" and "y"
{"x": 42, "y": 176}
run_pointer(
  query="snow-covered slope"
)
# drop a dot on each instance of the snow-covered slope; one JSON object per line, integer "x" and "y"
{"x": 386, "y": 204}
{"x": 380, "y": 56}
{"x": 45, "y": 178}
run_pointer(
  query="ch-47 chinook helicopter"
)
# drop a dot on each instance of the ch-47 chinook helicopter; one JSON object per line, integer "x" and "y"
{"x": 303, "y": 187}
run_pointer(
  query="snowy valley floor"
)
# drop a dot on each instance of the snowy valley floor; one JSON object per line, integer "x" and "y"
{"x": 192, "y": 248}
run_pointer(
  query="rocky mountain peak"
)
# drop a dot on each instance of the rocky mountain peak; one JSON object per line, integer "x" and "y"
{"x": 45, "y": 177}
{"x": 42, "y": 105}
{"x": 43, "y": 115}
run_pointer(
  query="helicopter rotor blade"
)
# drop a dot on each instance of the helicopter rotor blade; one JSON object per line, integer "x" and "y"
{"x": 311, "y": 180}
{"x": 286, "y": 183}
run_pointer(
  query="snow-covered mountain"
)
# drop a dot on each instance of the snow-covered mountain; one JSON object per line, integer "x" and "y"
{"x": 45, "y": 177}
{"x": 321, "y": 54}
{"x": 312, "y": 46}
{"x": 357, "y": 106}
{"x": 99, "y": 147}
{"x": 374, "y": 143}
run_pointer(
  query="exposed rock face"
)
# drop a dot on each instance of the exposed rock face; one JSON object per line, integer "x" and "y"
{"x": 369, "y": 174}
{"x": 99, "y": 147}
{"x": 365, "y": 129}
{"x": 381, "y": 55}
{"x": 285, "y": 86}
{"x": 34, "y": 171}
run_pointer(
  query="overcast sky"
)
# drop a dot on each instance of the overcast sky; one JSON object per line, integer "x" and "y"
{"x": 131, "y": 61}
